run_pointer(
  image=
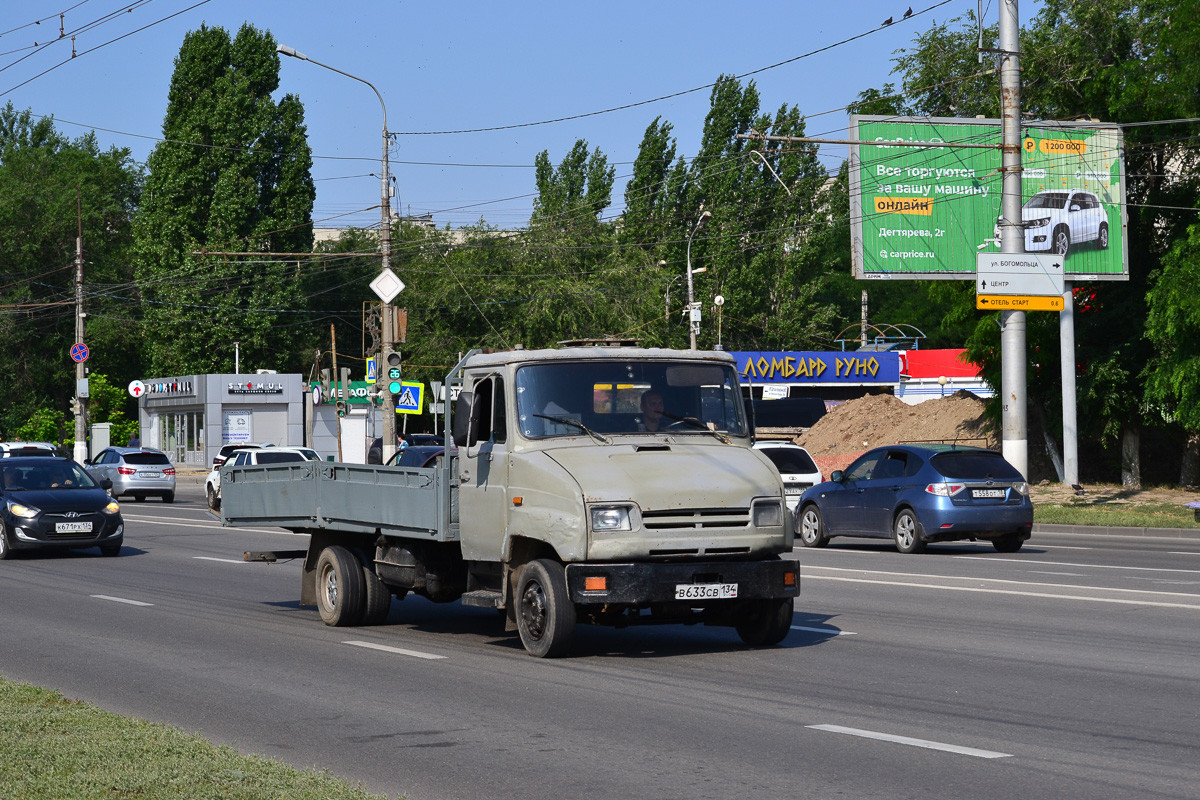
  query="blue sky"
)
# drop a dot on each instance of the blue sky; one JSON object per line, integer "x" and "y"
{"x": 466, "y": 65}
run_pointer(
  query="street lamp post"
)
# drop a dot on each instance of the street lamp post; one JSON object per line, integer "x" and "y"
{"x": 693, "y": 311}
{"x": 385, "y": 247}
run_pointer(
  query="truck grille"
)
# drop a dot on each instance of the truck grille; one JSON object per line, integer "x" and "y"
{"x": 696, "y": 518}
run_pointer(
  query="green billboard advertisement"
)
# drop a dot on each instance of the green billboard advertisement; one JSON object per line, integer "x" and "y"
{"x": 925, "y": 212}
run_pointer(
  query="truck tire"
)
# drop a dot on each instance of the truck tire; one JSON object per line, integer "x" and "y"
{"x": 214, "y": 500}
{"x": 341, "y": 593}
{"x": 378, "y": 600}
{"x": 766, "y": 622}
{"x": 545, "y": 613}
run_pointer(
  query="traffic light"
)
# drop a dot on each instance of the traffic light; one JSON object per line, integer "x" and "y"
{"x": 345, "y": 378}
{"x": 325, "y": 385}
{"x": 341, "y": 408}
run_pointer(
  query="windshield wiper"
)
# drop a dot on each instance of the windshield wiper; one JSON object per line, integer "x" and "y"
{"x": 700, "y": 426}
{"x": 576, "y": 423}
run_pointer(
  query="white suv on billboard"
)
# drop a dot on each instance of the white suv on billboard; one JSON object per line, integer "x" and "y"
{"x": 1056, "y": 221}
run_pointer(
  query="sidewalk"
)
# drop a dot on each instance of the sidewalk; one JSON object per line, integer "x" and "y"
{"x": 1104, "y": 530}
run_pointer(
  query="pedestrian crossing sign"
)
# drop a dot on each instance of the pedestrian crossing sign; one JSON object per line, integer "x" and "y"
{"x": 372, "y": 370}
{"x": 411, "y": 398}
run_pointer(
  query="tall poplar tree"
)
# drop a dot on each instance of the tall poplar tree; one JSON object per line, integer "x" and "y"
{"x": 232, "y": 174}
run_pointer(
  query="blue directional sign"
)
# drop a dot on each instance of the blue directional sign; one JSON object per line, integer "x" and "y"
{"x": 411, "y": 397}
{"x": 372, "y": 370}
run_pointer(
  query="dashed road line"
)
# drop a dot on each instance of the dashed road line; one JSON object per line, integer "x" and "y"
{"x": 907, "y": 740}
{"x": 397, "y": 650}
{"x": 121, "y": 600}
{"x": 828, "y": 631}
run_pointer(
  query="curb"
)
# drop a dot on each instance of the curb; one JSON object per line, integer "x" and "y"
{"x": 1104, "y": 530}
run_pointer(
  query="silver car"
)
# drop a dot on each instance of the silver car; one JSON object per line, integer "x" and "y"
{"x": 139, "y": 471}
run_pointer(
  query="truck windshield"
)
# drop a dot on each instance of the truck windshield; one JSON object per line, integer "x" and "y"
{"x": 628, "y": 397}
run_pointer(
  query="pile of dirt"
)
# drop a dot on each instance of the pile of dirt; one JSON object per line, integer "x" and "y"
{"x": 858, "y": 425}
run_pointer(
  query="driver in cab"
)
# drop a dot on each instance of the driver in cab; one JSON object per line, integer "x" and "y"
{"x": 652, "y": 411}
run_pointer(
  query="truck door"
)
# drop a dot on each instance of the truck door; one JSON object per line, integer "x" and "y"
{"x": 483, "y": 476}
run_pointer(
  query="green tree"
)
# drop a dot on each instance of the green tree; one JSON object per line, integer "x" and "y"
{"x": 50, "y": 186}
{"x": 232, "y": 175}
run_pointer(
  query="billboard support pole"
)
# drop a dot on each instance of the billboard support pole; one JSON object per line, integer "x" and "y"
{"x": 1014, "y": 416}
{"x": 1066, "y": 338}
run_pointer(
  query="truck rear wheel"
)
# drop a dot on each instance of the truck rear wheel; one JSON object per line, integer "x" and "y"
{"x": 766, "y": 622}
{"x": 378, "y": 600}
{"x": 341, "y": 592}
{"x": 545, "y": 613}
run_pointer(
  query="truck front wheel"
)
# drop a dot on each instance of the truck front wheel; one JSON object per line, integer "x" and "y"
{"x": 766, "y": 622}
{"x": 545, "y": 613}
{"x": 341, "y": 591}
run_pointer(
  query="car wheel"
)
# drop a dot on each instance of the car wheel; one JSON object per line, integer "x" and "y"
{"x": 141, "y": 498}
{"x": 169, "y": 498}
{"x": 545, "y": 613}
{"x": 766, "y": 622}
{"x": 5, "y": 551}
{"x": 812, "y": 527}
{"x": 111, "y": 549}
{"x": 214, "y": 502}
{"x": 341, "y": 598}
{"x": 1102, "y": 238}
{"x": 908, "y": 533}
{"x": 1009, "y": 543}
{"x": 1061, "y": 243}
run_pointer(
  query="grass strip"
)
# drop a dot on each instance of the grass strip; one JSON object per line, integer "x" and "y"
{"x": 60, "y": 749}
{"x": 1118, "y": 515}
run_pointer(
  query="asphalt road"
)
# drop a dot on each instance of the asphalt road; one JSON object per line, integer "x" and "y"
{"x": 1068, "y": 670}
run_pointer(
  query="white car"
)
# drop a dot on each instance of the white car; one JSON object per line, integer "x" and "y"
{"x": 1056, "y": 221}
{"x": 795, "y": 466}
{"x": 261, "y": 455}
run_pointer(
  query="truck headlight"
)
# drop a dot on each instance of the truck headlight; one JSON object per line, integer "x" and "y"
{"x": 611, "y": 518}
{"x": 768, "y": 514}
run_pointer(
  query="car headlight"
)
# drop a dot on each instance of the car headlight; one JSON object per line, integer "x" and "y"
{"x": 1040, "y": 222}
{"x": 19, "y": 510}
{"x": 611, "y": 518}
{"x": 767, "y": 515}
{"x": 112, "y": 508}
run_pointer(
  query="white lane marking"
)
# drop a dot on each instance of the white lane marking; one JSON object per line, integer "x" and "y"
{"x": 1066, "y": 574}
{"x": 1047, "y": 595}
{"x": 223, "y": 560}
{"x": 1182, "y": 553}
{"x": 1032, "y": 563}
{"x": 887, "y": 737}
{"x": 1061, "y": 546}
{"x": 398, "y": 650}
{"x": 152, "y": 521}
{"x": 121, "y": 600}
{"x": 829, "y": 631}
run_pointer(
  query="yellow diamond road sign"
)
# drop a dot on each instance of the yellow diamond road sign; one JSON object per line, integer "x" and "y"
{"x": 1012, "y": 302}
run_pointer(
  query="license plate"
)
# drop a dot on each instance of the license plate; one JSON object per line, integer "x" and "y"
{"x": 983, "y": 493}
{"x": 705, "y": 591}
{"x": 793, "y": 490}
{"x": 73, "y": 527}
{"x": 150, "y": 474}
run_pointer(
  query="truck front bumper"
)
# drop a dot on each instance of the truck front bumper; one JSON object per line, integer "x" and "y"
{"x": 652, "y": 582}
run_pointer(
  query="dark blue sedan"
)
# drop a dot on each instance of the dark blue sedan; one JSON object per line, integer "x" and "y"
{"x": 48, "y": 503}
{"x": 917, "y": 494}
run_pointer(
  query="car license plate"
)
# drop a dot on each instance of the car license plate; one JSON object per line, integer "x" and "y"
{"x": 145, "y": 474}
{"x": 984, "y": 493}
{"x": 793, "y": 490}
{"x": 73, "y": 527}
{"x": 705, "y": 591}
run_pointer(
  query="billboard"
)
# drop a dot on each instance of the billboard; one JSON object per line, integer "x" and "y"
{"x": 923, "y": 213}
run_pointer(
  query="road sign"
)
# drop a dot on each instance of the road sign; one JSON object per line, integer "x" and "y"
{"x": 1025, "y": 274}
{"x": 79, "y": 352}
{"x": 137, "y": 388}
{"x": 316, "y": 395}
{"x": 1011, "y": 302}
{"x": 372, "y": 370}
{"x": 386, "y": 285}
{"x": 409, "y": 398}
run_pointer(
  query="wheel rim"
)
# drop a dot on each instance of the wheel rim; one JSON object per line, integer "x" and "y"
{"x": 906, "y": 531}
{"x": 331, "y": 588}
{"x": 1104, "y": 237}
{"x": 1061, "y": 243}
{"x": 809, "y": 526}
{"x": 533, "y": 609}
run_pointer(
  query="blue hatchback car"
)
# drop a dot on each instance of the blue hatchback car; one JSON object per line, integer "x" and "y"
{"x": 917, "y": 494}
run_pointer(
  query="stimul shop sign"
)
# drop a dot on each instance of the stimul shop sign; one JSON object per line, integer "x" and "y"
{"x": 255, "y": 387}
{"x": 925, "y": 212}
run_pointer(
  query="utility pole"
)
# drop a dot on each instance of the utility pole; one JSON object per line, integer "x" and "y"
{"x": 81, "y": 448}
{"x": 1014, "y": 419}
{"x": 387, "y": 324}
{"x": 337, "y": 397}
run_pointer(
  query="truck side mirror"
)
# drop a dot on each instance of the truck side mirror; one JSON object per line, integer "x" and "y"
{"x": 466, "y": 422}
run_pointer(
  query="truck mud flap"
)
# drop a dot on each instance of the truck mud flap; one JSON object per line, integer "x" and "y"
{"x": 637, "y": 584}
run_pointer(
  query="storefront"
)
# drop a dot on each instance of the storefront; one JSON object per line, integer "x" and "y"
{"x": 191, "y": 416}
